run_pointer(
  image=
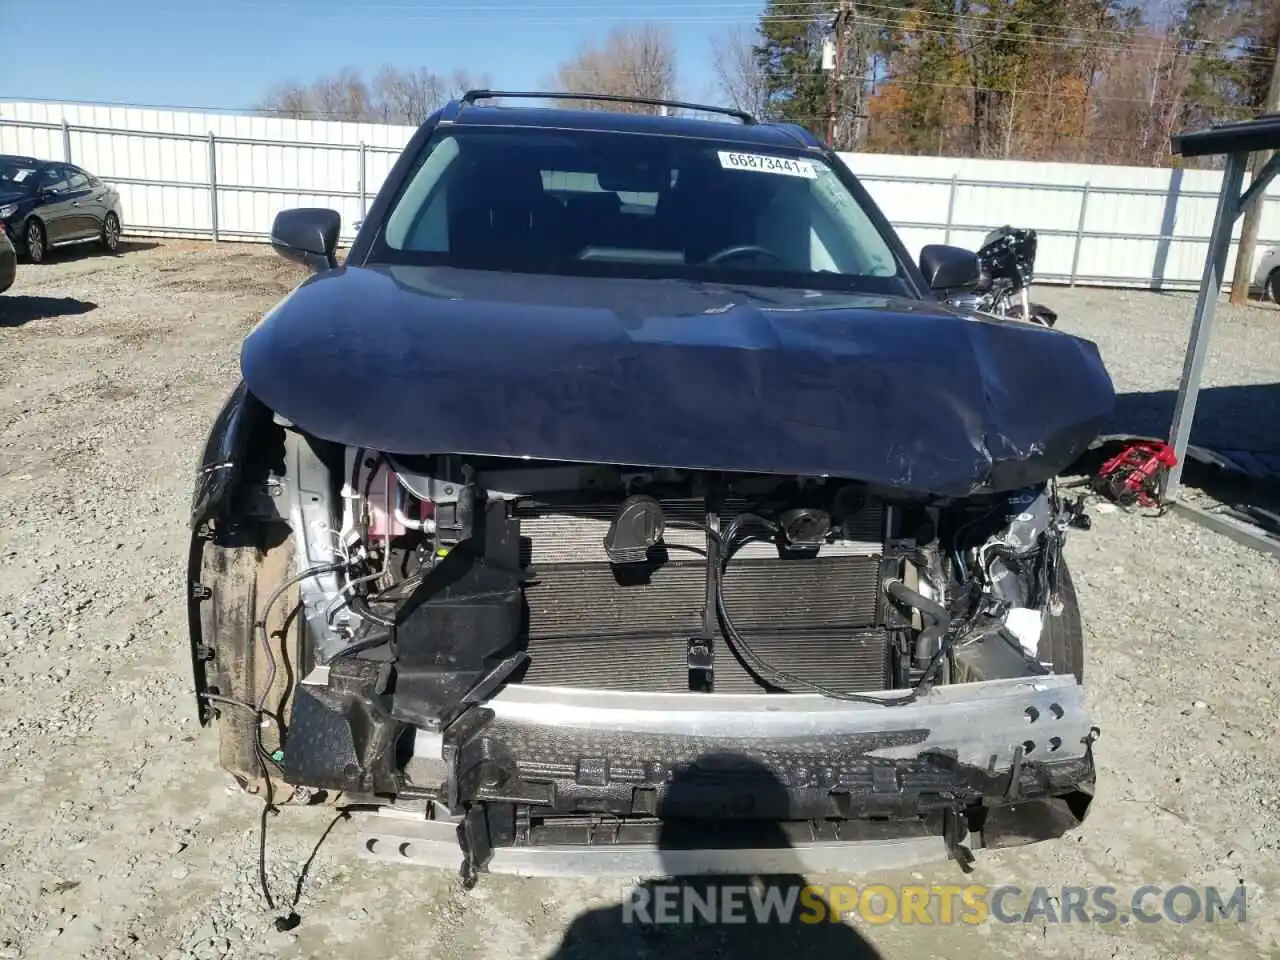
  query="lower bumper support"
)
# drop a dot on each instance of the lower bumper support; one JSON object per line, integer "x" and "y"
{"x": 391, "y": 837}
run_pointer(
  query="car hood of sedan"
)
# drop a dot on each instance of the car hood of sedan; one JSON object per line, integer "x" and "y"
{"x": 897, "y": 393}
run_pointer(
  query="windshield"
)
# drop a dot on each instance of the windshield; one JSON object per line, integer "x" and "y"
{"x": 16, "y": 175}
{"x": 636, "y": 205}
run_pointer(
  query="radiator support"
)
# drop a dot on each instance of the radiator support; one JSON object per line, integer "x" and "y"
{"x": 644, "y": 627}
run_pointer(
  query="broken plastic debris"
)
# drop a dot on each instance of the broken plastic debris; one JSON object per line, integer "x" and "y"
{"x": 1026, "y": 624}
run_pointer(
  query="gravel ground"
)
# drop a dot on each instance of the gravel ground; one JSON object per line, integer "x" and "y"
{"x": 1143, "y": 338}
{"x": 119, "y": 837}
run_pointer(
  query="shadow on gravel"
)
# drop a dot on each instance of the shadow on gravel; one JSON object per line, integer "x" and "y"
{"x": 15, "y": 311}
{"x": 1239, "y": 422}
{"x": 1242, "y": 417}
{"x": 634, "y": 928}
{"x": 88, "y": 251}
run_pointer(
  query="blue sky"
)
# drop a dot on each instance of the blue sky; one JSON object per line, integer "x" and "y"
{"x": 227, "y": 53}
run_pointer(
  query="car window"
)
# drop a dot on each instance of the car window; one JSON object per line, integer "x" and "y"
{"x": 77, "y": 180}
{"x": 55, "y": 180}
{"x": 89, "y": 178}
{"x": 15, "y": 174}
{"x": 563, "y": 200}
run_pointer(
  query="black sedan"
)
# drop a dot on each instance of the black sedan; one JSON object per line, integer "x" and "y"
{"x": 46, "y": 203}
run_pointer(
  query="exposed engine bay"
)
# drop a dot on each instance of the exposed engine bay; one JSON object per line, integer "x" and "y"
{"x": 671, "y": 581}
{"x": 429, "y": 588}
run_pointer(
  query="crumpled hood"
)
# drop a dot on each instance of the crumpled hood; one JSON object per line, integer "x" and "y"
{"x": 677, "y": 374}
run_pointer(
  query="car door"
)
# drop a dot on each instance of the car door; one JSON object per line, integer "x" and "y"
{"x": 83, "y": 224}
{"x": 55, "y": 207}
{"x": 97, "y": 203}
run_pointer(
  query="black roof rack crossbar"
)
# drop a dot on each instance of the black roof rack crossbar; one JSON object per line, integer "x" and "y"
{"x": 471, "y": 96}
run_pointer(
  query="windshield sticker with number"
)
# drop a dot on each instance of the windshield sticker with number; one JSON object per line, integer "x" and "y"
{"x": 22, "y": 175}
{"x": 764, "y": 164}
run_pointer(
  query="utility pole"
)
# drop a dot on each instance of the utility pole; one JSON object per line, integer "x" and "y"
{"x": 835, "y": 78}
{"x": 1242, "y": 279}
{"x": 845, "y": 93}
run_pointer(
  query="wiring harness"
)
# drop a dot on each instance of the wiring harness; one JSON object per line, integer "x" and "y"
{"x": 937, "y": 635}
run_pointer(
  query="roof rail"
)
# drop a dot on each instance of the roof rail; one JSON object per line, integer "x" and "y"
{"x": 471, "y": 96}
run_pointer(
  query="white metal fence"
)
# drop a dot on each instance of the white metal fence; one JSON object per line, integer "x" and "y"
{"x": 220, "y": 176}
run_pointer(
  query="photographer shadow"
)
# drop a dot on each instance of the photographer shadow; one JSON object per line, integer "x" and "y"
{"x": 661, "y": 920}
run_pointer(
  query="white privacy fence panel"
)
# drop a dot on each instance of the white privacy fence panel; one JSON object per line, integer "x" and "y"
{"x": 1104, "y": 225}
{"x": 190, "y": 173}
{"x": 183, "y": 173}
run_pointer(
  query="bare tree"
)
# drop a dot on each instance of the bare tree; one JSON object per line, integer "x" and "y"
{"x": 343, "y": 96}
{"x": 394, "y": 96}
{"x": 738, "y": 73}
{"x": 289, "y": 99}
{"x": 408, "y": 97}
{"x": 461, "y": 80}
{"x": 633, "y": 61}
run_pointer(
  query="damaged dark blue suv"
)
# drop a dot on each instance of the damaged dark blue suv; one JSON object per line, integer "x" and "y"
{"x": 631, "y": 495}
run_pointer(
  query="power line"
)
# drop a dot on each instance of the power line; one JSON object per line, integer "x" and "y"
{"x": 961, "y": 32}
{"x": 1002, "y": 21}
{"x": 807, "y": 11}
{"x": 910, "y": 80}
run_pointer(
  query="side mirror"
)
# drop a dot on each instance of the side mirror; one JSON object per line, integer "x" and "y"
{"x": 307, "y": 235}
{"x": 948, "y": 269}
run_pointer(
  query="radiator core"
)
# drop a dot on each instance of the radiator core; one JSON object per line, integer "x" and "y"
{"x": 592, "y": 624}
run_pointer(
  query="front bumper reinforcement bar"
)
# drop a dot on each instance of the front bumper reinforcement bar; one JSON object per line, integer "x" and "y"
{"x": 565, "y": 782}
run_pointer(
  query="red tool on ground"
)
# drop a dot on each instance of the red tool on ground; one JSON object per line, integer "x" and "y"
{"x": 1137, "y": 474}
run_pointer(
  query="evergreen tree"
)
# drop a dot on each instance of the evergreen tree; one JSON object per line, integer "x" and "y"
{"x": 1262, "y": 37}
{"x": 789, "y": 54}
{"x": 1080, "y": 80}
{"x": 927, "y": 69}
{"x": 1210, "y": 37}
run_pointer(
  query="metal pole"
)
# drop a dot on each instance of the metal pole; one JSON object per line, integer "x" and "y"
{"x": 66, "y": 140}
{"x": 213, "y": 186}
{"x": 1215, "y": 263}
{"x": 1075, "y": 254}
{"x": 951, "y": 207}
{"x": 363, "y": 205}
{"x": 1242, "y": 278}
